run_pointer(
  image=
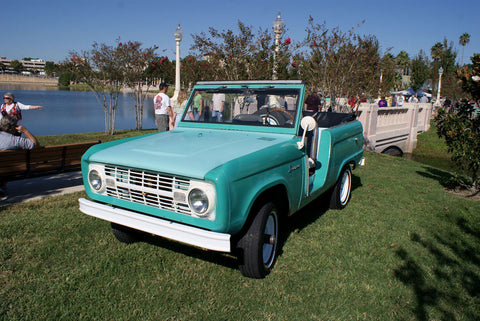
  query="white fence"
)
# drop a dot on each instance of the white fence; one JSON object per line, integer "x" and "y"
{"x": 394, "y": 128}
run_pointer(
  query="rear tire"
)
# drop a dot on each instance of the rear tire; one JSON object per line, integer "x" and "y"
{"x": 258, "y": 247}
{"x": 342, "y": 189}
{"x": 125, "y": 234}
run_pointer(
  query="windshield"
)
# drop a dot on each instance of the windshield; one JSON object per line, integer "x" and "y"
{"x": 244, "y": 106}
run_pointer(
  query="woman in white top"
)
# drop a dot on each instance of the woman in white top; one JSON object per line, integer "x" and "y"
{"x": 14, "y": 109}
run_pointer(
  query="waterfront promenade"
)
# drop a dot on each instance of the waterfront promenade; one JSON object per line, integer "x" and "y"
{"x": 26, "y": 80}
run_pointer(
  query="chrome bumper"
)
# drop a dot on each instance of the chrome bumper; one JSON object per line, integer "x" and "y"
{"x": 171, "y": 230}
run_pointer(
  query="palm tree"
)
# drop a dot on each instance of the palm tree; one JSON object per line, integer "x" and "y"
{"x": 403, "y": 61}
{"x": 464, "y": 40}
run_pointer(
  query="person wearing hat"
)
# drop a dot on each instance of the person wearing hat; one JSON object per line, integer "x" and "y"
{"x": 163, "y": 109}
{"x": 14, "y": 109}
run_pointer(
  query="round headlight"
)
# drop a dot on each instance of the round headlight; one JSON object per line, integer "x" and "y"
{"x": 198, "y": 201}
{"x": 95, "y": 180}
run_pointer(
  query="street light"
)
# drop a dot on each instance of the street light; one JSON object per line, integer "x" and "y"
{"x": 178, "y": 37}
{"x": 278, "y": 25}
{"x": 440, "y": 72}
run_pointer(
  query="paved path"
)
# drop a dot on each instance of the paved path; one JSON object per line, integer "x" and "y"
{"x": 39, "y": 187}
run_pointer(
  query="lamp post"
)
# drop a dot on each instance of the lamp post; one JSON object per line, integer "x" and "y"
{"x": 440, "y": 72}
{"x": 178, "y": 37}
{"x": 278, "y": 25}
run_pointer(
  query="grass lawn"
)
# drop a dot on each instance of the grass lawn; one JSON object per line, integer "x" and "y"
{"x": 403, "y": 249}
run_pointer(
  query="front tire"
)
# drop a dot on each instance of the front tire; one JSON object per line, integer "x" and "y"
{"x": 342, "y": 189}
{"x": 258, "y": 247}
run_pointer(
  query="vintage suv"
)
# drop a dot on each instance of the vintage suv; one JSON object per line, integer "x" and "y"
{"x": 226, "y": 181}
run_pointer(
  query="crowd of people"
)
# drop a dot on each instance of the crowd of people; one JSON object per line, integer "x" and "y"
{"x": 399, "y": 99}
{"x": 13, "y": 135}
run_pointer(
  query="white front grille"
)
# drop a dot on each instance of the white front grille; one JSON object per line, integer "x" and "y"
{"x": 148, "y": 188}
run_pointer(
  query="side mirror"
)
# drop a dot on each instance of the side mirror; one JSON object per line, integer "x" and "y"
{"x": 308, "y": 123}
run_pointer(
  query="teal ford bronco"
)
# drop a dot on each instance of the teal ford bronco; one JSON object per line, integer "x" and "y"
{"x": 244, "y": 157}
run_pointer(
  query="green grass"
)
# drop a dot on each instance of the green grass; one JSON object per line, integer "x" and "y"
{"x": 85, "y": 137}
{"x": 433, "y": 151}
{"x": 403, "y": 249}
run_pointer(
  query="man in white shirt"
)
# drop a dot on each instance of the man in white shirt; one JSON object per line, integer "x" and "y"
{"x": 218, "y": 104}
{"x": 163, "y": 109}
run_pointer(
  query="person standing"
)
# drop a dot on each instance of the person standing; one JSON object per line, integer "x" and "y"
{"x": 178, "y": 109}
{"x": 197, "y": 105}
{"x": 9, "y": 140}
{"x": 400, "y": 100}
{"x": 313, "y": 102}
{"x": 218, "y": 104}
{"x": 382, "y": 102}
{"x": 163, "y": 109}
{"x": 14, "y": 109}
{"x": 413, "y": 99}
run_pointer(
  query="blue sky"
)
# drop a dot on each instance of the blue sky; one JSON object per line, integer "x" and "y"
{"x": 50, "y": 29}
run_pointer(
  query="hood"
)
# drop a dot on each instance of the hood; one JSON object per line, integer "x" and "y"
{"x": 187, "y": 152}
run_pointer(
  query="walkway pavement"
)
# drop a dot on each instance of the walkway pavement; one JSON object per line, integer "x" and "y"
{"x": 39, "y": 187}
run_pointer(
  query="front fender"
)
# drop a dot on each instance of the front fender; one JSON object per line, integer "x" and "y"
{"x": 237, "y": 197}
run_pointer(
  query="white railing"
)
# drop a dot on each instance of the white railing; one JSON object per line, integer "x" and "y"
{"x": 394, "y": 127}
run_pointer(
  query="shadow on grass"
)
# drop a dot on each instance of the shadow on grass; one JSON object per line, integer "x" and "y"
{"x": 445, "y": 179}
{"x": 306, "y": 216}
{"x": 224, "y": 259}
{"x": 313, "y": 211}
{"x": 445, "y": 282}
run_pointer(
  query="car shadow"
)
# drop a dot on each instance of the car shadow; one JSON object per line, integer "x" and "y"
{"x": 306, "y": 216}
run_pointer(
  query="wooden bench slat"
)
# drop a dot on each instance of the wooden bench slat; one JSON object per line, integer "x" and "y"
{"x": 39, "y": 161}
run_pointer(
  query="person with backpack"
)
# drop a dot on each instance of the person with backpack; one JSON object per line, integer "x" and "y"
{"x": 14, "y": 109}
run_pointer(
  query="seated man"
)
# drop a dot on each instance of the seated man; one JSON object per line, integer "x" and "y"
{"x": 9, "y": 141}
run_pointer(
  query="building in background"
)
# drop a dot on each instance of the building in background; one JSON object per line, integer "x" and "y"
{"x": 30, "y": 66}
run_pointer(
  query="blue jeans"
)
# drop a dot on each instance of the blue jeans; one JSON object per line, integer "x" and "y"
{"x": 217, "y": 116}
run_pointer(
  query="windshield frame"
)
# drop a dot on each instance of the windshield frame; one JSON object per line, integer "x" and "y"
{"x": 296, "y": 88}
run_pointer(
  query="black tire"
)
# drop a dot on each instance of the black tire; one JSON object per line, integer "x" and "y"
{"x": 125, "y": 234}
{"x": 258, "y": 247}
{"x": 342, "y": 190}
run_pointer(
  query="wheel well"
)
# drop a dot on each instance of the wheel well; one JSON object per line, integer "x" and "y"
{"x": 277, "y": 194}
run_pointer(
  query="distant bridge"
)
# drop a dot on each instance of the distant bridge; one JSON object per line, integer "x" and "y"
{"x": 394, "y": 130}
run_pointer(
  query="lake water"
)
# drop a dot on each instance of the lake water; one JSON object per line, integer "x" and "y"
{"x": 71, "y": 112}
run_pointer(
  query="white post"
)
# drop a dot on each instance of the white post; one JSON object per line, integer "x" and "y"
{"x": 178, "y": 37}
{"x": 278, "y": 25}
{"x": 440, "y": 72}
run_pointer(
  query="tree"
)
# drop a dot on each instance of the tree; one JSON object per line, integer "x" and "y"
{"x": 242, "y": 55}
{"x": 463, "y": 41}
{"x": 136, "y": 61}
{"x": 444, "y": 56}
{"x": 50, "y": 68}
{"x": 470, "y": 77}
{"x": 340, "y": 64}
{"x": 194, "y": 70}
{"x": 390, "y": 78}
{"x": 420, "y": 70}
{"x": 461, "y": 131}
{"x": 102, "y": 69}
{"x": 403, "y": 62}
{"x": 462, "y": 128}
{"x": 161, "y": 70}
{"x": 16, "y": 65}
